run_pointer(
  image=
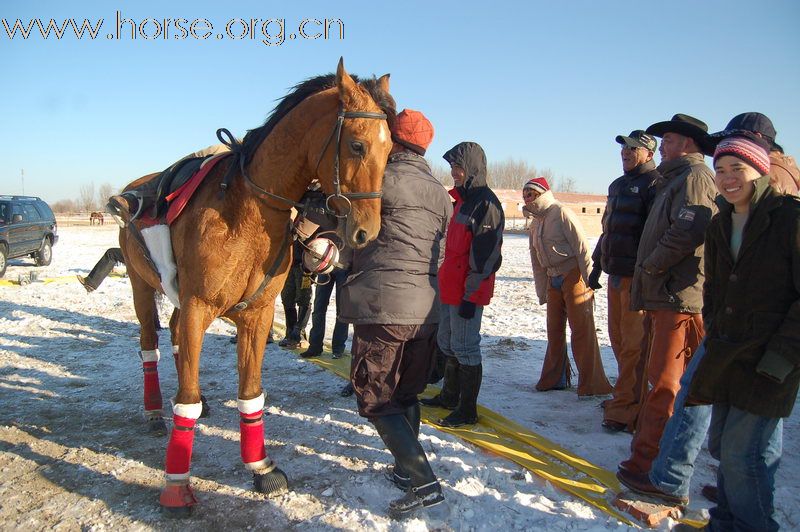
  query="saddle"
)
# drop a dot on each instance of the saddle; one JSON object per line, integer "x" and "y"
{"x": 166, "y": 194}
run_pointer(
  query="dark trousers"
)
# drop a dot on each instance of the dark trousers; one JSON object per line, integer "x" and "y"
{"x": 104, "y": 267}
{"x": 322, "y": 297}
{"x": 295, "y": 295}
{"x": 390, "y": 367}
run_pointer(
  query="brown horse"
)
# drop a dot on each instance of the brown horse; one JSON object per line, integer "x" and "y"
{"x": 232, "y": 254}
{"x": 96, "y": 217}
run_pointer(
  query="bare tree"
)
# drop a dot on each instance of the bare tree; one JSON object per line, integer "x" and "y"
{"x": 64, "y": 206}
{"x": 442, "y": 174}
{"x": 105, "y": 191}
{"x": 86, "y": 199}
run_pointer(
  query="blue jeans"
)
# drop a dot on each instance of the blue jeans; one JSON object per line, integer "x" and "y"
{"x": 748, "y": 448}
{"x": 683, "y": 437}
{"x": 322, "y": 298}
{"x": 458, "y": 337}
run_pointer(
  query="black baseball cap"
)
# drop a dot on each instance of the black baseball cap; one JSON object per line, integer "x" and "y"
{"x": 749, "y": 125}
{"x": 638, "y": 139}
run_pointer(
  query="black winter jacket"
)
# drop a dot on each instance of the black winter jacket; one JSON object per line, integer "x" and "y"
{"x": 629, "y": 199}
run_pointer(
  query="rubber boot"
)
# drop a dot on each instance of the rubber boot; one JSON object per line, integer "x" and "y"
{"x": 467, "y": 411}
{"x": 448, "y": 397}
{"x": 399, "y": 438}
{"x": 396, "y": 474}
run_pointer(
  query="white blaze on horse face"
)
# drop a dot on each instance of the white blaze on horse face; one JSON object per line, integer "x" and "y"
{"x": 384, "y": 132}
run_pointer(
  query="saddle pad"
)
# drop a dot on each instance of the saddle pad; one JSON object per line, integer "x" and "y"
{"x": 181, "y": 196}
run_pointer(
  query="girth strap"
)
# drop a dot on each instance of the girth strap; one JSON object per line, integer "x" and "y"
{"x": 243, "y": 304}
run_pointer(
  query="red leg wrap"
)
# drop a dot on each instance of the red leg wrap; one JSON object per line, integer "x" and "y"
{"x": 152, "y": 390}
{"x": 179, "y": 448}
{"x": 251, "y": 428}
{"x": 177, "y": 496}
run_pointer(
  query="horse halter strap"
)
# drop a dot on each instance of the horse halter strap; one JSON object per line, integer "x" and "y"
{"x": 337, "y": 134}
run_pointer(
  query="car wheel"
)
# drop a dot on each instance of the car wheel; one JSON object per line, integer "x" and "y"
{"x": 45, "y": 254}
{"x": 3, "y": 263}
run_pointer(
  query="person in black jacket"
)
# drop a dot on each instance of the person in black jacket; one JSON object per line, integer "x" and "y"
{"x": 629, "y": 200}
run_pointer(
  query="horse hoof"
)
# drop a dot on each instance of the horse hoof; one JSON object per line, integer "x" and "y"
{"x": 272, "y": 483}
{"x": 157, "y": 427}
{"x": 180, "y": 512}
{"x": 206, "y": 412}
{"x": 177, "y": 500}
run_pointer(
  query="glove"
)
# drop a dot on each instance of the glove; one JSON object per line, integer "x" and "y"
{"x": 774, "y": 367}
{"x": 466, "y": 309}
{"x": 594, "y": 279}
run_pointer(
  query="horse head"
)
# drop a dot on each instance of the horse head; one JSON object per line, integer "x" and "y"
{"x": 351, "y": 163}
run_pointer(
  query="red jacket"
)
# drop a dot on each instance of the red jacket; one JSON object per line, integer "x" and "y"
{"x": 474, "y": 235}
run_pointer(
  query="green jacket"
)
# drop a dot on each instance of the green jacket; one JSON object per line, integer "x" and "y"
{"x": 669, "y": 261}
{"x": 752, "y": 307}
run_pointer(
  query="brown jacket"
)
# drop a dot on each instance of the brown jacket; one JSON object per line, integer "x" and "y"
{"x": 784, "y": 174}
{"x": 752, "y": 307}
{"x": 669, "y": 262}
{"x": 557, "y": 243}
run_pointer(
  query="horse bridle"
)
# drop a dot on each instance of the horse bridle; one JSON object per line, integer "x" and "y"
{"x": 236, "y": 147}
{"x": 337, "y": 134}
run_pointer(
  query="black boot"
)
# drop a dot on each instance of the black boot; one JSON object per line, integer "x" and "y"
{"x": 396, "y": 474}
{"x": 291, "y": 321}
{"x": 448, "y": 397}
{"x": 467, "y": 411}
{"x": 398, "y": 436}
{"x": 303, "y": 314}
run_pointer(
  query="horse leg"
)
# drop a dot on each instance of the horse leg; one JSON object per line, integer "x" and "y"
{"x": 173, "y": 331}
{"x": 267, "y": 477}
{"x": 144, "y": 304}
{"x": 177, "y": 498}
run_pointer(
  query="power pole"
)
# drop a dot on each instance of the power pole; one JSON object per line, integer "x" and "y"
{"x": 22, "y": 176}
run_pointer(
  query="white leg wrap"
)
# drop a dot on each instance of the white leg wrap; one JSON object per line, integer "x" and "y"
{"x": 150, "y": 356}
{"x": 262, "y": 467}
{"x": 251, "y": 406}
{"x": 188, "y": 411}
{"x": 177, "y": 478}
{"x": 159, "y": 243}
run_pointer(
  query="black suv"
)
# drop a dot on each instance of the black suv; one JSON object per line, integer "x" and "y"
{"x": 27, "y": 227}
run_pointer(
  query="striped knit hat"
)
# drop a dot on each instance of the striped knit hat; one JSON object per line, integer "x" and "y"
{"x": 538, "y": 184}
{"x": 753, "y": 152}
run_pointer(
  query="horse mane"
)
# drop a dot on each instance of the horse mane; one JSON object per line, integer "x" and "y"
{"x": 301, "y": 91}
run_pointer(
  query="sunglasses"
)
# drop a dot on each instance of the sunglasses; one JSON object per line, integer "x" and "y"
{"x": 630, "y": 148}
{"x": 530, "y": 193}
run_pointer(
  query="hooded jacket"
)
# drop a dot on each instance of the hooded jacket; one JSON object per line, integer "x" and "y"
{"x": 669, "y": 261}
{"x": 629, "y": 199}
{"x": 393, "y": 278}
{"x": 751, "y": 307}
{"x": 557, "y": 243}
{"x": 475, "y": 234}
{"x": 784, "y": 174}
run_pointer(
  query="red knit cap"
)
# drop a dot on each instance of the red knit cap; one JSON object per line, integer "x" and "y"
{"x": 413, "y": 130}
{"x": 539, "y": 184}
{"x": 750, "y": 151}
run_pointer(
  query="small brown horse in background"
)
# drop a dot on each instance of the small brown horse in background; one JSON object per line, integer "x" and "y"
{"x": 226, "y": 245}
{"x": 96, "y": 217}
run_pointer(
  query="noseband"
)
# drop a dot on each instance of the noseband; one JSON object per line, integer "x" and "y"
{"x": 236, "y": 147}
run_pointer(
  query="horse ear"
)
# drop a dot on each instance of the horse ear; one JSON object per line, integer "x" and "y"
{"x": 383, "y": 83}
{"x": 345, "y": 83}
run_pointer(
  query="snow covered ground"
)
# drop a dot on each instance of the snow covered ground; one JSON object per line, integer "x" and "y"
{"x": 74, "y": 454}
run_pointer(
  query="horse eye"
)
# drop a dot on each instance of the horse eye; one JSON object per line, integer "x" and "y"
{"x": 358, "y": 148}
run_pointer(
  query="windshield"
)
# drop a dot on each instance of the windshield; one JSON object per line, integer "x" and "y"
{"x": 5, "y": 209}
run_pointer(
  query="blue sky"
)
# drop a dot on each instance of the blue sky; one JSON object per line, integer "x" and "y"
{"x": 549, "y": 82}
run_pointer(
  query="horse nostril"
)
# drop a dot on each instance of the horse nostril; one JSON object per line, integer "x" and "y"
{"x": 361, "y": 237}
